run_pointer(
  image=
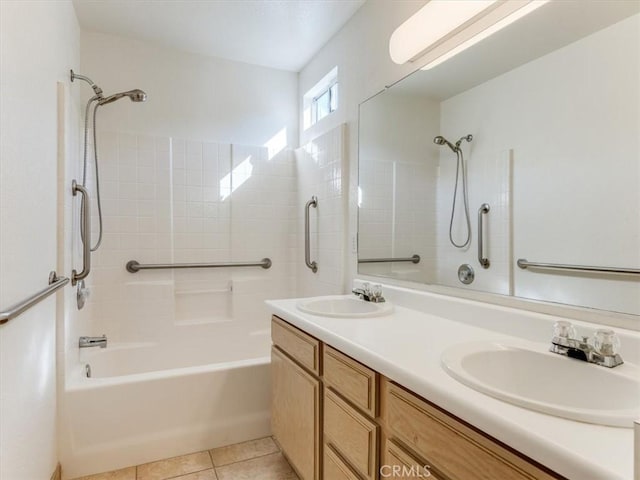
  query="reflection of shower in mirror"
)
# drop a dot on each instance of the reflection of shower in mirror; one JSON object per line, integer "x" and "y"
{"x": 460, "y": 167}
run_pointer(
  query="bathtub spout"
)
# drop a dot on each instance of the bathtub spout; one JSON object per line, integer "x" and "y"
{"x": 85, "y": 342}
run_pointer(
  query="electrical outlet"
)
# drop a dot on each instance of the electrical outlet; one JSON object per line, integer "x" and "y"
{"x": 354, "y": 243}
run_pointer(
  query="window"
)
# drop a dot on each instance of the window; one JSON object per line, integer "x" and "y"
{"x": 324, "y": 104}
{"x": 321, "y": 100}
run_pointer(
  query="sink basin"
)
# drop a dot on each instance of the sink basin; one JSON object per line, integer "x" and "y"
{"x": 340, "y": 306}
{"x": 547, "y": 382}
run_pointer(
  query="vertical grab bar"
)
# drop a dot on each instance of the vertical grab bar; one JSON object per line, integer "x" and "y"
{"x": 307, "y": 249}
{"x": 484, "y": 262}
{"x": 85, "y": 228}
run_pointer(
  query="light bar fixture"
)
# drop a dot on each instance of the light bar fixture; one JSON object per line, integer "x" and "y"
{"x": 444, "y": 28}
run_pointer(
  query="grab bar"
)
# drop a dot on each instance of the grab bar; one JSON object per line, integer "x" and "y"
{"x": 307, "y": 249}
{"x": 412, "y": 259}
{"x": 55, "y": 283}
{"x": 134, "y": 266}
{"x": 484, "y": 261}
{"x": 524, "y": 263}
{"x": 85, "y": 229}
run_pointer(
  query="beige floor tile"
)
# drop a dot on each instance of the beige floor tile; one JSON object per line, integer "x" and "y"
{"x": 128, "y": 473}
{"x": 269, "y": 467}
{"x": 243, "y": 451}
{"x": 203, "y": 475}
{"x": 173, "y": 467}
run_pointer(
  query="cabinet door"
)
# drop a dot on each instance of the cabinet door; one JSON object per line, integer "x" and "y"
{"x": 295, "y": 414}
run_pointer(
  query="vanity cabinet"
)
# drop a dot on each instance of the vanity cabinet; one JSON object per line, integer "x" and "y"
{"x": 338, "y": 419}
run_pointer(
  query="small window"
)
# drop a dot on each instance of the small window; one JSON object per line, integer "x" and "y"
{"x": 322, "y": 99}
{"x": 325, "y": 103}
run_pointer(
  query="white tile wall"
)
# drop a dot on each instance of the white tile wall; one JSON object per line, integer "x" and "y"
{"x": 321, "y": 172}
{"x": 169, "y": 200}
{"x": 397, "y": 216}
{"x": 489, "y": 175}
{"x": 398, "y": 175}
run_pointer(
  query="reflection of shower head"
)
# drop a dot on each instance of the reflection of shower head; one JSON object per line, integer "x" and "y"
{"x": 468, "y": 138}
{"x": 440, "y": 140}
{"x": 136, "y": 95}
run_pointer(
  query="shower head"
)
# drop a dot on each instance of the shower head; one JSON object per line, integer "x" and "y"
{"x": 440, "y": 140}
{"x": 468, "y": 138}
{"x": 135, "y": 95}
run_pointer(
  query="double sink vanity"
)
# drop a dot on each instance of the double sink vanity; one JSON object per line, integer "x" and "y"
{"x": 425, "y": 385}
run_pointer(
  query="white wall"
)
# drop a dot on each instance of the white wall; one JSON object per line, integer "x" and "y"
{"x": 189, "y": 96}
{"x": 39, "y": 44}
{"x": 361, "y": 52}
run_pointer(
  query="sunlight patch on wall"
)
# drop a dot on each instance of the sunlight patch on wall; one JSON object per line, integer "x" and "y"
{"x": 277, "y": 143}
{"x": 234, "y": 179}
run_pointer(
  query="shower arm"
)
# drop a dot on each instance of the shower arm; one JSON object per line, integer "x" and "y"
{"x": 96, "y": 88}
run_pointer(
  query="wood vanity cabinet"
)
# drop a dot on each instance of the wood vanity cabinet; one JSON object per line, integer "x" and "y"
{"x": 337, "y": 419}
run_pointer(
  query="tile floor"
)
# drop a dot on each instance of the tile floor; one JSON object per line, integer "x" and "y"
{"x": 254, "y": 460}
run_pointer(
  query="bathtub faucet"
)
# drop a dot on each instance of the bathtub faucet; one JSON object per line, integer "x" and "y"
{"x": 93, "y": 342}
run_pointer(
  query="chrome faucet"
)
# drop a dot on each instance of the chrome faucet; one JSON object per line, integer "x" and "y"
{"x": 86, "y": 342}
{"x": 369, "y": 293}
{"x": 601, "y": 350}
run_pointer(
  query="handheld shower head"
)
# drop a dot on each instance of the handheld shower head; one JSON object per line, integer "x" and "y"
{"x": 135, "y": 95}
{"x": 440, "y": 140}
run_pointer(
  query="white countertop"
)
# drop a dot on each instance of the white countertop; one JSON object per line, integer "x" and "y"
{"x": 406, "y": 347}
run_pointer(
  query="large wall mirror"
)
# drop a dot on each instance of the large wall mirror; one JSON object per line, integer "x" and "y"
{"x": 540, "y": 125}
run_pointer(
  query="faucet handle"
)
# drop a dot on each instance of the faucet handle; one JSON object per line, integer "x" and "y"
{"x": 564, "y": 329}
{"x": 606, "y": 342}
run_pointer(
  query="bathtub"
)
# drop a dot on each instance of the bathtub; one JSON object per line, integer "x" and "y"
{"x": 148, "y": 401}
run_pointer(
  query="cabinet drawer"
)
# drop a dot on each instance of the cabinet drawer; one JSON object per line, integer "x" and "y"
{"x": 399, "y": 464}
{"x": 302, "y": 347}
{"x": 454, "y": 449}
{"x": 352, "y": 380}
{"x": 336, "y": 469}
{"x": 351, "y": 434}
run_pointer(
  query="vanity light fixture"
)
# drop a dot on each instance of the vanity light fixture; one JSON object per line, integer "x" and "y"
{"x": 444, "y": 28}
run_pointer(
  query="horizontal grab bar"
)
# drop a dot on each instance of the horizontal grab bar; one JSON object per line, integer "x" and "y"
{"x": 413, "y": 259}
{"x": 55, "y": 283}
{"x": 134, "y": 266}
{"x": 524, "y": 263}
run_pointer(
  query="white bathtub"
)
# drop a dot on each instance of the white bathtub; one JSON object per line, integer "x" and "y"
{"x": 210, "y": 387}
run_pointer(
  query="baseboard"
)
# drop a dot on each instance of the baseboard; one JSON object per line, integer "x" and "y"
{"x": 57, "y": 473}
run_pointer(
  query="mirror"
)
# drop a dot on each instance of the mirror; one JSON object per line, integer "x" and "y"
{"x": 552, "y": 103}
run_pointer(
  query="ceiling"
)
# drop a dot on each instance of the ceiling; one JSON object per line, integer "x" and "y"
{"x": 283, "y": 34}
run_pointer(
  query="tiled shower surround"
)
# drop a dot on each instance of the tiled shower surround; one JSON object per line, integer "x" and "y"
{"x": 320, "y": 166}
{"x": 169, "y": 200}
